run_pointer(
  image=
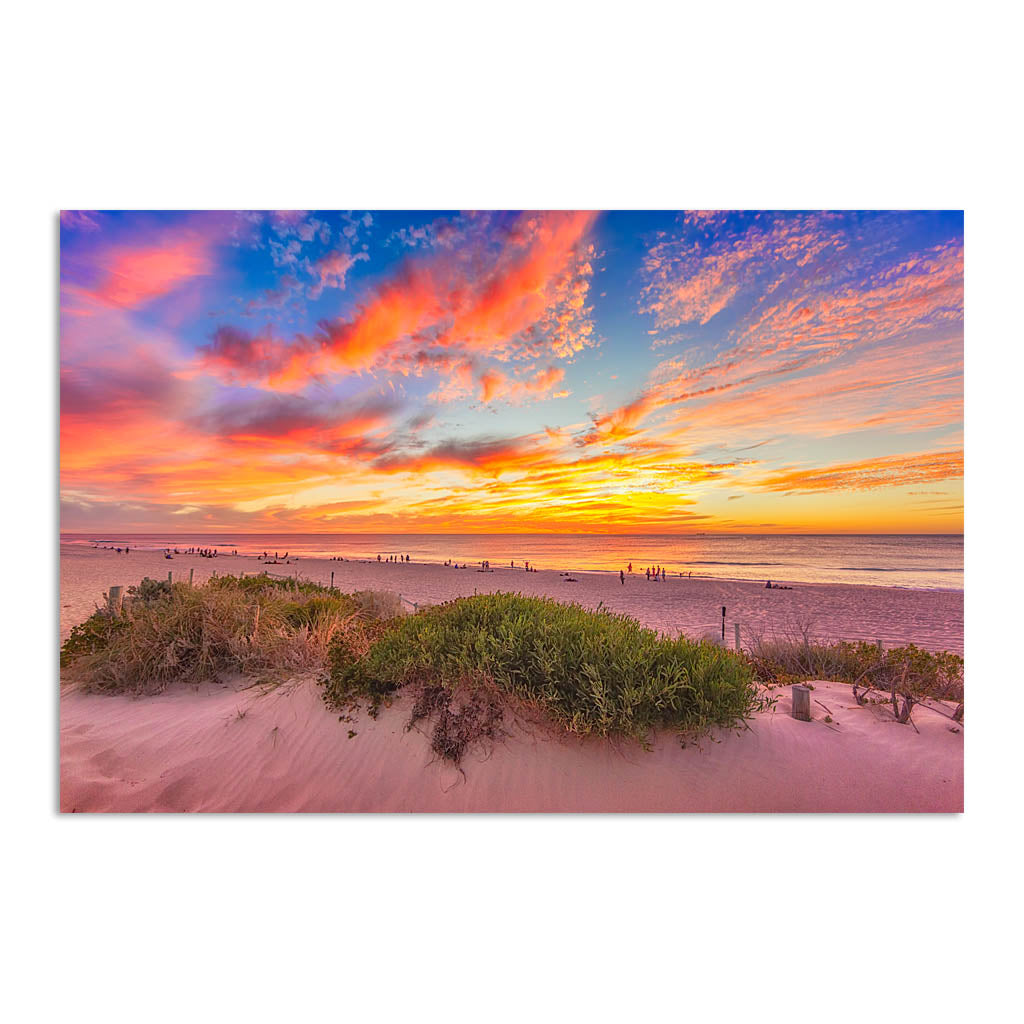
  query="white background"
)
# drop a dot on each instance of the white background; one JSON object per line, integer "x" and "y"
{"x": 298, "y": 105}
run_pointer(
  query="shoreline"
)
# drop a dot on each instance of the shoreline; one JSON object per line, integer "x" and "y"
{"x": 932, "y": 619}
{"x": 473, "y": 565}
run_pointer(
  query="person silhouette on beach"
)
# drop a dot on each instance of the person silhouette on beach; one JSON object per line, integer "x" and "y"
{"x": 622, "y": 578}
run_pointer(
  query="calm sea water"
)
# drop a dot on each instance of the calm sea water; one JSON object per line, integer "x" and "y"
{"x": 919, "y": 561}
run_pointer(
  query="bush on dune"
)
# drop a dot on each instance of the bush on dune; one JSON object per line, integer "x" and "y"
{"x": 909, "y": 672}
{"x": 591, "y": 672}
{"x": 176, "y": 632}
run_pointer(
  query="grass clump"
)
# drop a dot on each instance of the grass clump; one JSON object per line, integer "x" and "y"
{"x": 590, "y": 672}
{"x": 908, "y": 674}
{"x": 179, "y": 633}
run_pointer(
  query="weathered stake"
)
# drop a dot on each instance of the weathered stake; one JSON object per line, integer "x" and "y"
{"x": 802, "y": 702}
{"x": 737, "y": 628}
{"x": 723, "y": 625}
{"x": 115, "y": 596}
{"x": 332, "y": 581}
{"x": 168, "y": 577}
{"x": 190, "y": 572}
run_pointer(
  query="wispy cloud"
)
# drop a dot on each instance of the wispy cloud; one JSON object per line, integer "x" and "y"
{"x": 895, "y": 470}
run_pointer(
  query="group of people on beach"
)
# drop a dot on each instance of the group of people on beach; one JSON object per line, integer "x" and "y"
{"x": 657, "y": 573}
{"x": 485, "y": 565}
{"x": 201, "y": 552}
{"x": 276, "y": 560}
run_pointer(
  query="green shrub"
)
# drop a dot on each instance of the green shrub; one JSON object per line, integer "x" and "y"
{"x": 150, "y": 590}
{"x": 267, "y": 585}
{"x": 89, "y": 637}
{"x": 591, "y": 672}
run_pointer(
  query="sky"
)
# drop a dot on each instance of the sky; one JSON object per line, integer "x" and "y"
{"x": 447, "y": 372}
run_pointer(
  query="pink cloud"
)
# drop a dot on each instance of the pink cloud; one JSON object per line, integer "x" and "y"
{"x": 135, "y": 275}
{"x": 331, "y": 270}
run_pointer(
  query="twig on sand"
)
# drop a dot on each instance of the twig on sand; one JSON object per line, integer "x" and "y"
{"x": 825, "y": 706}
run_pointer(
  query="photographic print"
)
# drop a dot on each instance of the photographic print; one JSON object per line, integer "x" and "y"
{"x": 506, "y": 511}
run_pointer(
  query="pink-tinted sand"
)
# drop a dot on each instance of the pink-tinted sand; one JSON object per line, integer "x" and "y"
{"x": 933, "y": 619}
{"x": 226, "y": 748}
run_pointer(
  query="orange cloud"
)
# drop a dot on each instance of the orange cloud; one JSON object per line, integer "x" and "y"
{"x": 890, "y": 471}
{"x": 495, "y": 385}
{"x": 526, "y": 298}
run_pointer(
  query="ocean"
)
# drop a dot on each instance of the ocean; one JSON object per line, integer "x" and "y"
{"x": 919, "y": 561}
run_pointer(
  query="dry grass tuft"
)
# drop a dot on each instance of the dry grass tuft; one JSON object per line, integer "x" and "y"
{"x": 179, "y": 633}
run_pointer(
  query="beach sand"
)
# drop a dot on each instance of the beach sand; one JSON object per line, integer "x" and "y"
{"x": 933, "y": 619}
{"x": 227, "y": 748}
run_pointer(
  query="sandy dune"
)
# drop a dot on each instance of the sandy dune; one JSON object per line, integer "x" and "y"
{"x": 226, "y": 748}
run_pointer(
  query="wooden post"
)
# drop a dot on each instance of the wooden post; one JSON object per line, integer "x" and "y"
{"x": 332, "y": 581}
{"x": 169, "y": 578}
{"x": 723, "y": 625}
{"x": 881, "y": 649}
{"x": 802, "y": 702}
{"x": 190, "y": 572}
{"x": 737, "y": 628}
{"x": 115, "y": 597}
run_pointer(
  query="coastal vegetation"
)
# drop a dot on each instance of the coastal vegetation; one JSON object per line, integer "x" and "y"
{"x": 587, "y": 672}
{"x": 470, "y": 664}
{"x": 906, "y": 675}
{"x": 258, "y": 625}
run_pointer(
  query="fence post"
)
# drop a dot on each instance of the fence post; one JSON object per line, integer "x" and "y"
{"x": 723, "y": 625}
{"x": 169, "y": 580}
{"x": 737, "y": 628}
{"x": 332, "y": 581}
{"x": 190, "y": 572}
{"x": 115, "y": 596}
{"x": 802, "y": 702}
